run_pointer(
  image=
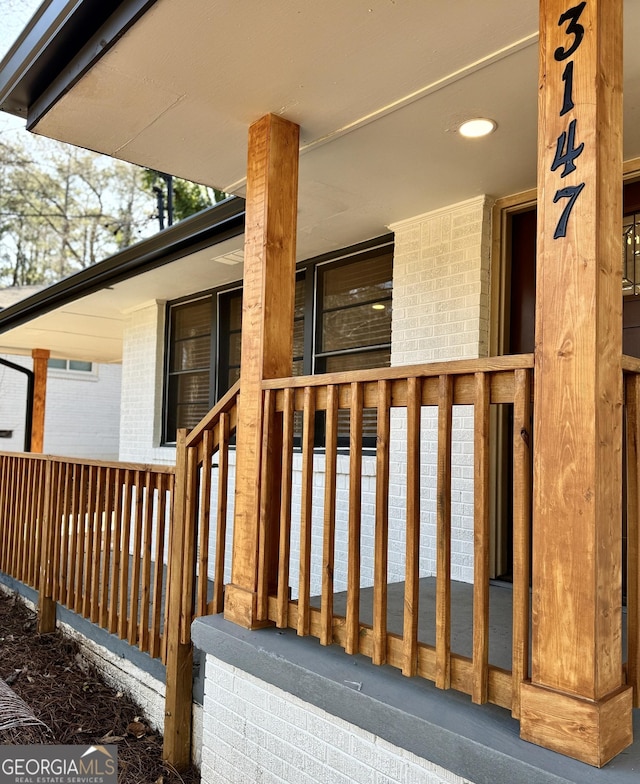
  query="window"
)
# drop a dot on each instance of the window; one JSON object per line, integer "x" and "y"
{"x": 342, "y": 321}
{"x": 189, "y": 361}
{"x": 74, "y": 365}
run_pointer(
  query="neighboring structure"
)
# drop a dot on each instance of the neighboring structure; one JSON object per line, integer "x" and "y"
{"x": 375, "y": 494}
{"x": 82, "y": 417}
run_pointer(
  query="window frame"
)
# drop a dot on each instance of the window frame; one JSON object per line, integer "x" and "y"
{"x": 311, "y": 270}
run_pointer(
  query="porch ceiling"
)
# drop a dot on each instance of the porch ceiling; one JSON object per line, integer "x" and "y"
{"x": 378, "y": 88}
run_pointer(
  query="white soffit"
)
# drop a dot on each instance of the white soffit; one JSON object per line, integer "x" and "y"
{"x": 377, "y": 88}
{"x": 92, "y": 327}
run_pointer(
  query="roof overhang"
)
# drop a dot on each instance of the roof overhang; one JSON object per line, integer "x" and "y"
{"x": 378, "y": 88}
{"x": 84, "y": 315}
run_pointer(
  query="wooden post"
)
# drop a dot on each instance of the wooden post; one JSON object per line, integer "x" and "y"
{"x": 176, "y": 747}
{"x": 40, "y": 360}
{"x": 267, "y": 338}
{"x": 577, "y": 702}
{"x": 46, "y": 604}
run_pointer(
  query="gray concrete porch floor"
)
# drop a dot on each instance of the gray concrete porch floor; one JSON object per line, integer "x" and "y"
{"x": 500, "y": 615}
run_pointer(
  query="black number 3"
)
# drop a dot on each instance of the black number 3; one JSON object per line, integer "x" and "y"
{"x": 573, "y": 28}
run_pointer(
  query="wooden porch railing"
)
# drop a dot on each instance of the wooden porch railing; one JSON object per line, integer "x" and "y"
{"x": 408, "y": 390}
{"x": 192, "y": 572}
{"x": 96, "y": 537}
{"x": 91, "y": 536}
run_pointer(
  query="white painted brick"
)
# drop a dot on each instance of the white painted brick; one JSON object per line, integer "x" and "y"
{"x": 328, "y": 751}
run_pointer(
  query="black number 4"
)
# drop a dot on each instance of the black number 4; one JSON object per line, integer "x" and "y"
{"x": 566, "y": 150}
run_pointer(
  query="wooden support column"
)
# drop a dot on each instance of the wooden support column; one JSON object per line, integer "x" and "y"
{"x": 267, "y": 339}
{"x": 577, "y": 702}
{"x": 40, "y": 364}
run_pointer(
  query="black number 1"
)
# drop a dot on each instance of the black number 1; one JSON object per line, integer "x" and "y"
{"x": 573, "y": 28}
{"x": 567, "y": 78}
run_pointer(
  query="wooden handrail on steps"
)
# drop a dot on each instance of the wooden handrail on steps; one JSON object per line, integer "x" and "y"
{"x": 188, "y": 580}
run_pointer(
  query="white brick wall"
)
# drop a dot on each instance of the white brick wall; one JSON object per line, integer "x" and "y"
{"x": 441, "y": 312}
{"x": 142, "y": 387}
{"x": 441, "y": 284}
{"x": 253, "y": 731}
{"x": 82, "y": 414}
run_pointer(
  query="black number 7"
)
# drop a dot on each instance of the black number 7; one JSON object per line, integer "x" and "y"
{"x": 573, "y": 28}
{"x": 571, "y": 192}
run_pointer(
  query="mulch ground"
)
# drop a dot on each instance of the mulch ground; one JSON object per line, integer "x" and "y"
{"x": 66, "y": 693}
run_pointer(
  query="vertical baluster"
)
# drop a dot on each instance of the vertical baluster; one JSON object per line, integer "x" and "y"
{"x": 381, "y": 544}
{"x": 304, "y": 586}
{"x": 164, "y": 637}
{"x": 481, "y": 542}
{"x": 329, "y": 528}
{"x": 134, "y": 582}
{"x": 266, "y": 499}
{"x": 521, "y": 532}
{"x": 443, "y": 536}
{"x": 282, "y": 619}
{"x": 74, "y": 534}
{"x": 412, "y": 557}
{"x": 27, "y": 520}
{"x": 65, "y": 541}
{"x": 82, "y": 533}
{"x": 127, "y": 517}
{"x": 106, "y": 505}
{"x": 34, "y": 532}
{"x": 158, "y": 569}
{"x": 202, "y": 598}
{"x": 117, "y": 550}
{"x": 633, "y": 535}
{"x": 30, "y": 521}
{"x": 91, "y": 553}
{"x": 57, "y": 524}
{"x": 97, "y": 518}
{"x": 217, "y": 604}
{"x": 352, "y": 638}
{"x": 145, "y": 582}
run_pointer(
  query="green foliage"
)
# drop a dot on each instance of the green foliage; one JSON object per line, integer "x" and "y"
{"x": 188, "y": 197}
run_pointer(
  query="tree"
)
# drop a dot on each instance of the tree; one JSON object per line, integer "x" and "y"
{"x": 63, "y": 209}
{"x": 177, "y": 197}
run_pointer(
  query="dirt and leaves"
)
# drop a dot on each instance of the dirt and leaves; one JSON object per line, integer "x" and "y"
{"x": 68, "y": 695}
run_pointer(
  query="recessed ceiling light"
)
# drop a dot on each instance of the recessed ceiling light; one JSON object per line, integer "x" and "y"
{"x": 378, "y": 306}
{"x": 479, "y": 126}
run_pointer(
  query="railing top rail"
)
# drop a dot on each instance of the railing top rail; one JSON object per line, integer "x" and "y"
{"x": 429, "y": 369}
{"x": 156, "y": 469}
{"x": 630, "y": 364}
{"x": 224, "y": 405}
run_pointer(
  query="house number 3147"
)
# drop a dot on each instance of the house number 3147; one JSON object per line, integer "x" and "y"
{"x": 567, "y": 150}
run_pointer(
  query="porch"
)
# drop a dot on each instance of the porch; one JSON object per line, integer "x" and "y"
{"x": 294, "y": 526}
{"x": 327, "y": 567}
